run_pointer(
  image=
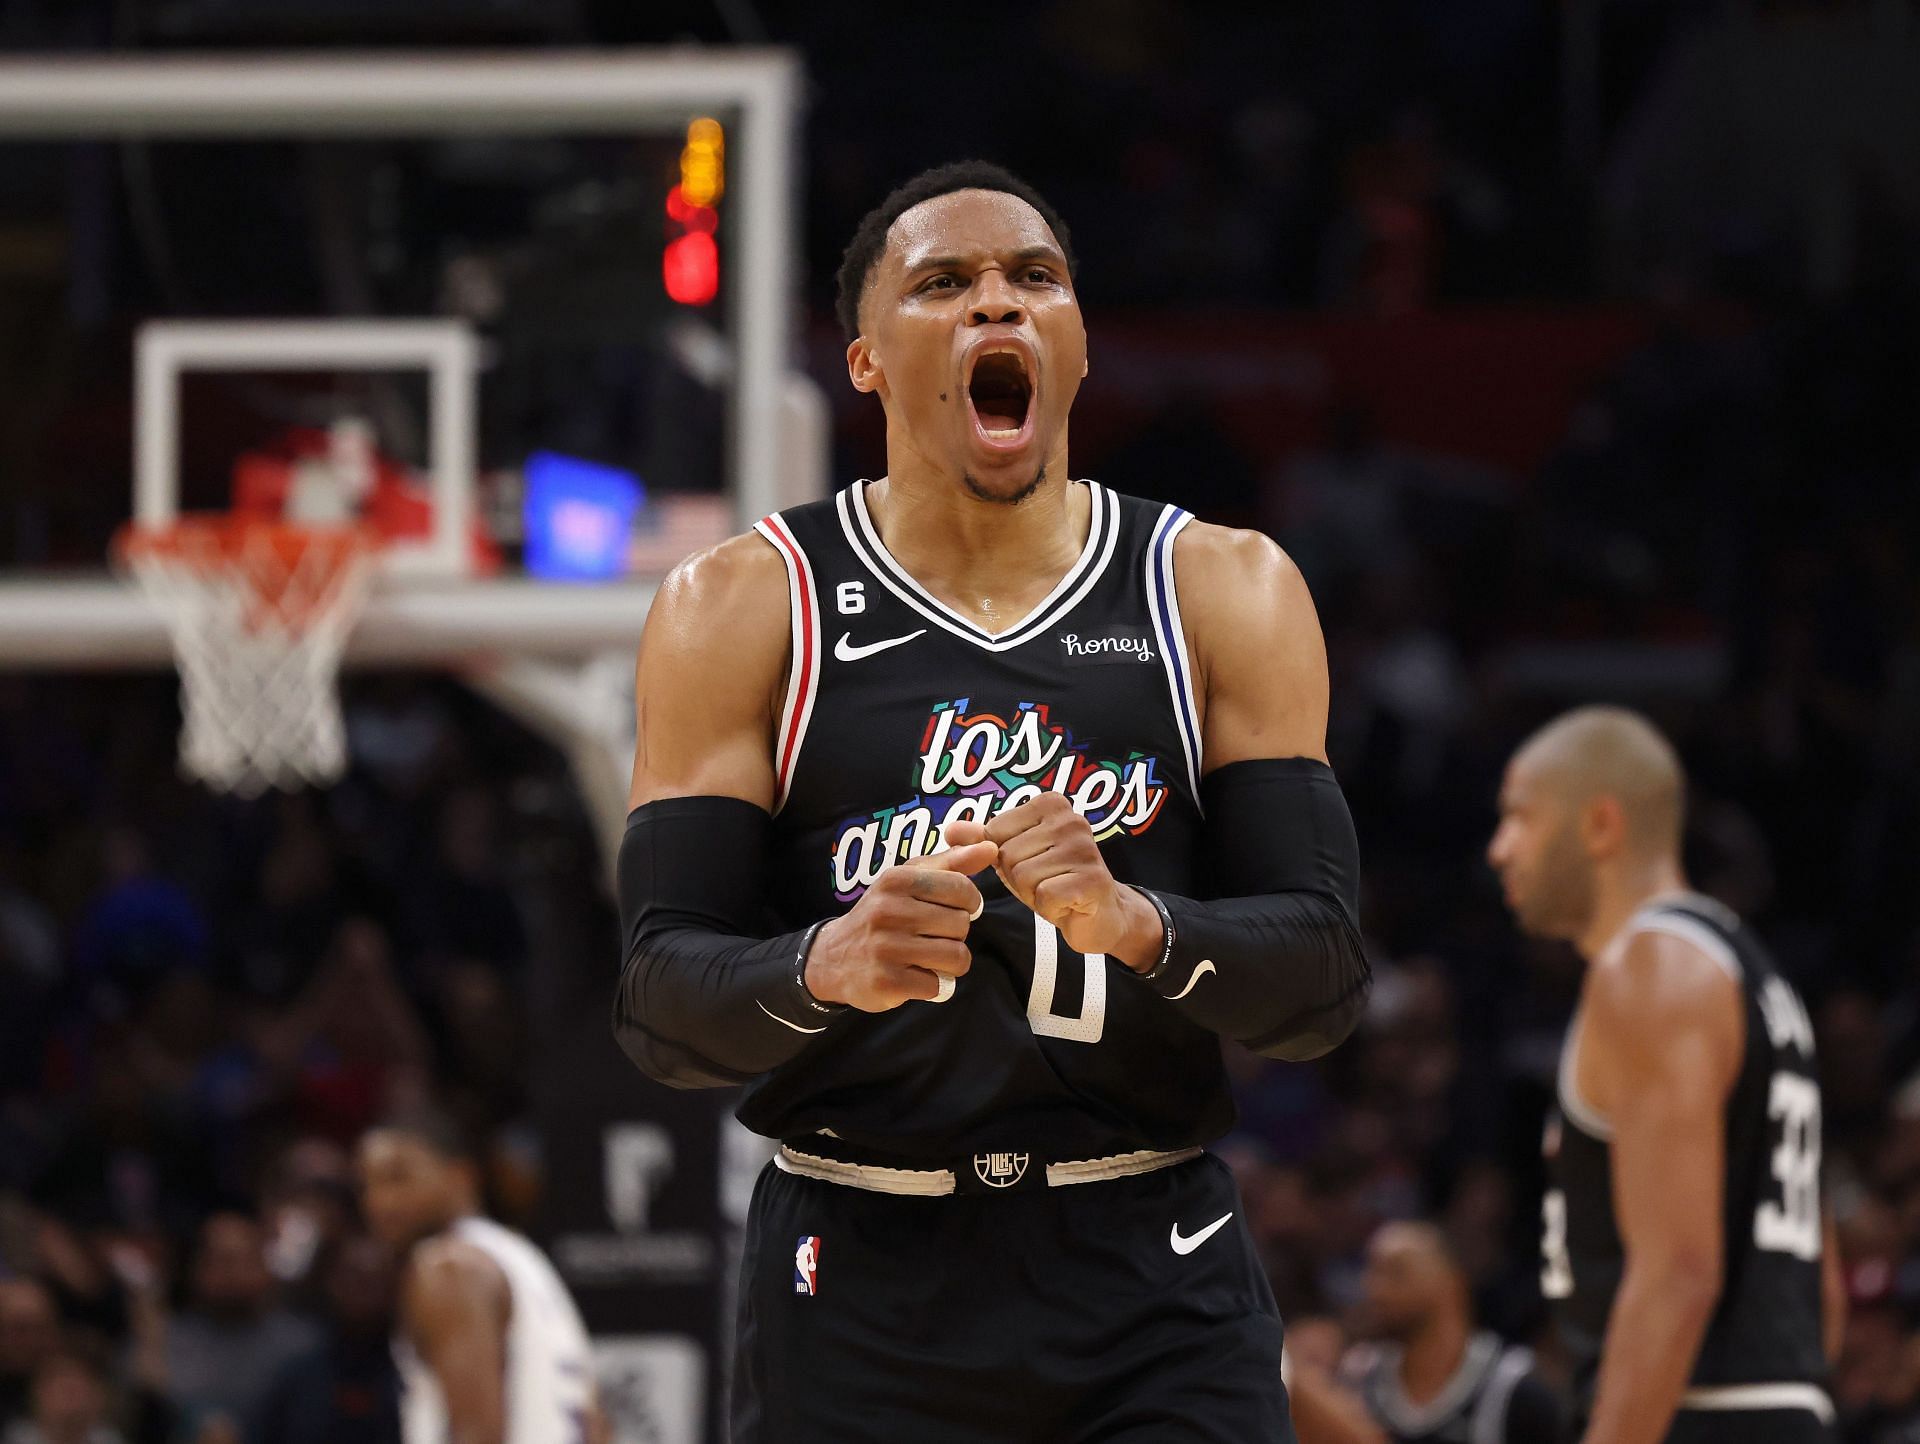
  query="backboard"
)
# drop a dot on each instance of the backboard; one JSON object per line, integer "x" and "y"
{"x": 430, "y": 606}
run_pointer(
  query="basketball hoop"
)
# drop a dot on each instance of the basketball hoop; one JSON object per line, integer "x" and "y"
{"x": 259, "y": 612}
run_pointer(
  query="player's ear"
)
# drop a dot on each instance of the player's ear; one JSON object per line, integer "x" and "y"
{"x": 1604, "y": 823}
{"x": 863, "y": 365}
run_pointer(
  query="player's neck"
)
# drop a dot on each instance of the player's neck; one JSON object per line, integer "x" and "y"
{"x": 1432, "y": 1356}
{"x": 455, "y": 1219}
{"x": 1620, "y": 891}
{"x": 987, "y": 559}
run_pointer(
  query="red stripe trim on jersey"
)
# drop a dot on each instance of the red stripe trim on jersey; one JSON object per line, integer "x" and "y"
{"x": 805, "y": 660}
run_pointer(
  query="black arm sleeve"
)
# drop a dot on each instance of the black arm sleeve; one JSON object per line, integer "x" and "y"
{"x": 706, "y": 999}
{"x": 1273, "y": 959}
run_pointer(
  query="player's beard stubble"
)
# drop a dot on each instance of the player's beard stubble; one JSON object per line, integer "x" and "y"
{"x": 1560, "y": 902}
{"x": 972, "y": 484}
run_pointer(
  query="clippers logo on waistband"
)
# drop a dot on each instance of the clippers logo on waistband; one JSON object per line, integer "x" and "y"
{"x": 806, "y": 1265}
{"x": 1000, "y": 1170}
{"x": 975, "y": 765}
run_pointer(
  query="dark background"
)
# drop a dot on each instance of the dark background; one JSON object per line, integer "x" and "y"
{"x": 1571, "y": 351}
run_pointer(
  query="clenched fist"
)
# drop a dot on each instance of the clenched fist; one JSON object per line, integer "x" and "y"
{"x": 1049, "y": 860}
{"x": 906, "y": 936}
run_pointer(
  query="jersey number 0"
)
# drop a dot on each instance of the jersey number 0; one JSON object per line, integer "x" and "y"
{"x": 1084, "y": 1026}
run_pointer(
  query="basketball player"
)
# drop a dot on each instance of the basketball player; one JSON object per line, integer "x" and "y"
{"x": 491, "y": 1349}
{"x": 1683, "y": 1235}
{"x": 1325, "y": 1410}
{"x": 972, "y": 807}
{"x": 1431, "y": 1378}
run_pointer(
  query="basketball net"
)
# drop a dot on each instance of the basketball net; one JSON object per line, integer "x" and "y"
{"x": 259, "y": 612}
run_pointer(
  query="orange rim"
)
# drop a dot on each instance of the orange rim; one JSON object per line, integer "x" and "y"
{"x": 289, "y": 569}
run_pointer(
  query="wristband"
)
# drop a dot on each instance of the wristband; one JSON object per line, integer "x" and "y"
{"x": 825, "y": 1010}
{"x": 1166, "y": 925}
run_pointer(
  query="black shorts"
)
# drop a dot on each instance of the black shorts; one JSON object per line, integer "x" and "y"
{"x": 1055, "y": 1316}
{"x": 1749, "y": 1426}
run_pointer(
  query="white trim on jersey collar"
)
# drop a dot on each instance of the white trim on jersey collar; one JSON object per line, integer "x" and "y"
{"x": 1661, "y": 907}
{"x": 1582, "y": 1114}
{"x": 1103, "y": 533}
{"x": 803, "y": 667}
{"x": 1489, "y": 1424}
{"x": 1692, "y": 930}
{"x": 1406, "y": 1417}
{"x": 1163, "y": 609}
{"x": 1656, "y": 915}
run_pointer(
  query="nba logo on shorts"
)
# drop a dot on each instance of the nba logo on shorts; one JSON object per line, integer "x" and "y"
{"x": 806, "y": 1265}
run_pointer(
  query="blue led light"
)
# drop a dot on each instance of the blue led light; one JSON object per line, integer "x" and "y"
{"x": 579, "y": 517}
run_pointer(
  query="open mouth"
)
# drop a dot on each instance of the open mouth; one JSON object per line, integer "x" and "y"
{"x": 1001, "y": 392}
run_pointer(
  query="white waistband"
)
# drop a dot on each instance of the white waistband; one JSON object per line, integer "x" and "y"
{"x": 1810, "y": 1397}
{"x": 936, "y": 1182}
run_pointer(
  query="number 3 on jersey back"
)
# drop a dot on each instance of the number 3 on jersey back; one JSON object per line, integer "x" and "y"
{"x": 1792, "y": 1225}
{"x": 1085, "y": 1026}
{"x": 1556, "y": 1268}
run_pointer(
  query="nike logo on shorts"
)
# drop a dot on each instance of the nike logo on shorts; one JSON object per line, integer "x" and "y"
{"x": 1188, "y": 1244}
{"x": 845, "y": 650}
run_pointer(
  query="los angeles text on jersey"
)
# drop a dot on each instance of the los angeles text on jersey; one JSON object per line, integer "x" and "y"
{"x": 975, "y": 765}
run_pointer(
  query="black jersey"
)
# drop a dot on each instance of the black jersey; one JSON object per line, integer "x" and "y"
{"x": 1494, "y": 1397}
{"x": 901, "y": 714}
{"x": 1766, "y": 1327}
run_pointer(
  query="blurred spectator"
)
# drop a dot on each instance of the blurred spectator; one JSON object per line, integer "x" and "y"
{"x": 125, "y": 1159}
{"x": 362, "y": 1049}
{"x": 485, "y": 1044}
{"x": 279, "y": 938}
{"x": 138, "y": 928}
{"x": 224, "y": 1351}
{"x": 29, "y": 1335}
{"x": 344, "y": 1389}
{"x": 1877, "y": 1381}
{"x": 307, "y": 1208}
{"x": 69, "y": 1404}
{"x": 462, "y": 906}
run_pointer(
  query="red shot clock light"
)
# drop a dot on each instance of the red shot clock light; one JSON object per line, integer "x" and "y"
{"x": 690, "y": 266}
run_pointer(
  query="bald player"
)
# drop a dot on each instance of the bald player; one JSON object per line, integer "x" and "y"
{"x": 1683, "y": 1241}
{"x": 1430, "y": 1377}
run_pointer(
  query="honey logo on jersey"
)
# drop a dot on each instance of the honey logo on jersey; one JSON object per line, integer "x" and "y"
{"x": 1106, "y": 647}
{"x": 975, "y": 765}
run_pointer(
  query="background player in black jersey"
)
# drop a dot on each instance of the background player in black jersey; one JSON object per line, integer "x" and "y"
{"x": 1683, "y": 1240}
{"x": 1426, "y": 1376}
{"x": 1430, "y": 1377}
{"x": 1018, "y": 655}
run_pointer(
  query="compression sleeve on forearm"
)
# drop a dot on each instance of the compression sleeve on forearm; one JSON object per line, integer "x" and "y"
{"x": 1273, "y": 957}
{"x": 704, "y": 1000}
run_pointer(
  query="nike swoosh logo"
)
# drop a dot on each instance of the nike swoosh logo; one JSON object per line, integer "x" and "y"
{"x": 847, "y": 652}
{"x": 1185, "y": 1246}
{"x": 1206, "y": 966}
{"x": 778, "y": 1019}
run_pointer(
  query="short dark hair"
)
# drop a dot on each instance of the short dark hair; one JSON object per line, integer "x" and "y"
{"x": 870, "y": 236}
{"x": 438, "y": 1129}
